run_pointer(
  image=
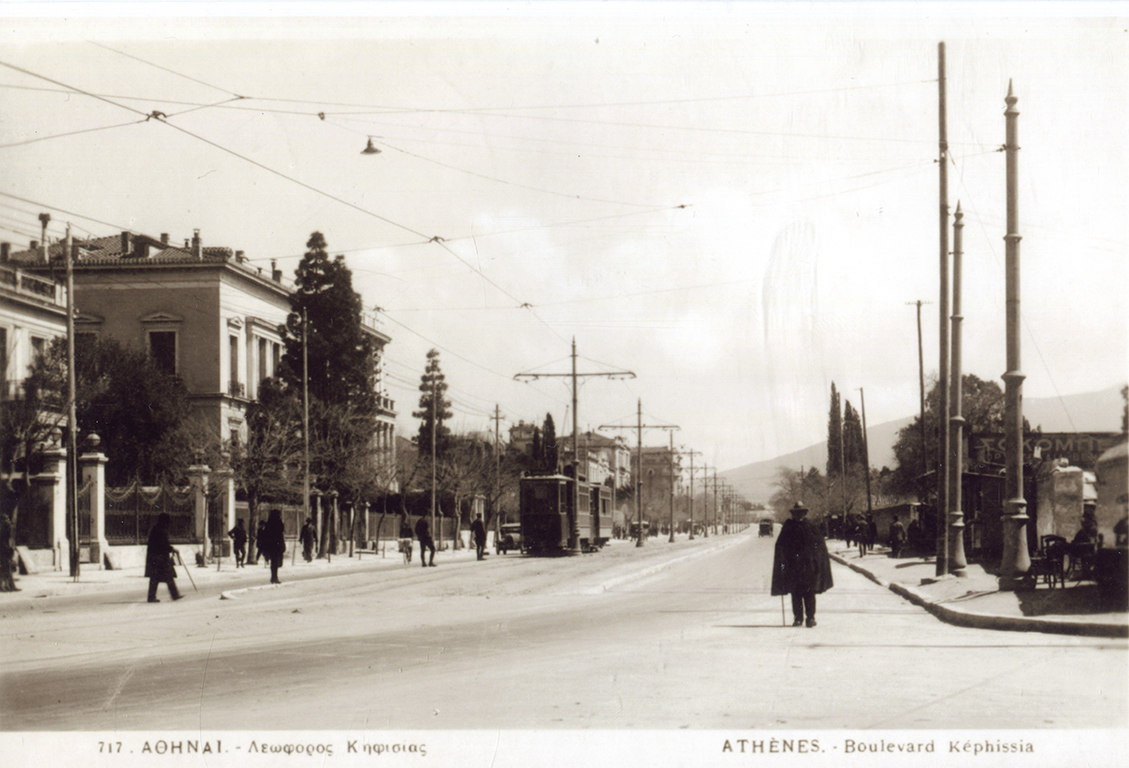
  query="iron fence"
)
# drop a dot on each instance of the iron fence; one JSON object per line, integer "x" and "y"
{"x": 132, "y": 511}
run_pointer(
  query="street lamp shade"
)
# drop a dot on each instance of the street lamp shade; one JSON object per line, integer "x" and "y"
{"x": 370, "y": 149}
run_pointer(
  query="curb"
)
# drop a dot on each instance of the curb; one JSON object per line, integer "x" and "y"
{"x": 992, "y": 621}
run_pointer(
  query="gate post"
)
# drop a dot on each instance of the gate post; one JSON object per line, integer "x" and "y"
{"x": 198, "y": 478}
{"x": 92, "y": 469}
{"x": 52, "y": 493}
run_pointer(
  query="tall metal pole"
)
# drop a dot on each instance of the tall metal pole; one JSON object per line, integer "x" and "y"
{"x": 865, "y": 449}
{"x": 957, "y": 563}
{"x": 306, "y": 425}
{"x": 943, "y": 374}
{"x": 1016, "y": 560}
{"x": 671, "y": 540}
{"x": 574, "y": 518}
{"x": 434, "y": 391}
{"x": 638, "y": 476}
{"x": 691, "y": 454}
{"x": 72, "y": 417}
{"x": 921, "y": 386}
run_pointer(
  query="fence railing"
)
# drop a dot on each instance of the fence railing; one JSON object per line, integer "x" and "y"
{"x": 132, "y": 511}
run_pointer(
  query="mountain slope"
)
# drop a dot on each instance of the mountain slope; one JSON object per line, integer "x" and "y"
{"x": 1088, "y": 412}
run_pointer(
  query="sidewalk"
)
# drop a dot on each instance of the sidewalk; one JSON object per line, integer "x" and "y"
{"x": 230, "y": 580}
{"x": 976, "y": 600}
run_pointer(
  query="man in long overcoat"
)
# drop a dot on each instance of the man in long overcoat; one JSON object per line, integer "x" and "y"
{"x": 801, "y": 566}
{"x": 158, "y": 559}
{"x": 272, "y": 543}
{"x": 426, "y": 543}
{"x": 478, "y": 531}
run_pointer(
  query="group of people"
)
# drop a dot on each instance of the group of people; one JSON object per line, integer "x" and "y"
{"x": 427, "y": 543}
{"x": 161, "y": 556}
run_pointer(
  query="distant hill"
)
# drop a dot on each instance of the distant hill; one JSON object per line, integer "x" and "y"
{"x": 1089, "y": 412}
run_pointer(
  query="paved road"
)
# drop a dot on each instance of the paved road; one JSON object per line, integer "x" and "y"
{"x": 685, "y": 637}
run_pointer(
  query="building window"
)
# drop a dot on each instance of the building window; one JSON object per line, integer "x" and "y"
{"x": 262, "y": 359}
{"x": 162, "y": 348}
{"x": 38, "y": 347}
{"x": 233, "y": 358}
{"x": 4, "y": 391}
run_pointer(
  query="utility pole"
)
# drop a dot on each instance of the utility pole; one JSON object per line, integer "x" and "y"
{"x": 306, "y": 427}
{"x": 639, "y": 465}
{"x": 692, "y": 454}
{"x": 497, "y": 418}
{"x": 574, "y": 521}
{"x": 865, "y": 449}
{"x": 921, "y": 384}
{"x": 72, "y": 416}
{"x": 942, "y": 506}
{"x": 1016, "y": 560}
{"x": 671, "y": 431}
{"x": 957, "y": 563}
{"x": 434, "y": 396}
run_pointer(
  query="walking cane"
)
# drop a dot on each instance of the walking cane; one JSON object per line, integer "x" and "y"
{"x": 193, "y": 583}
{"x": 783, "y": 620}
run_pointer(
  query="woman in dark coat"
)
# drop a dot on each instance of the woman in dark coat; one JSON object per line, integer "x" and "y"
{"x": 272, "y": 543}
{"x": 801, "y": 566}
{"x": 158, "y": 559}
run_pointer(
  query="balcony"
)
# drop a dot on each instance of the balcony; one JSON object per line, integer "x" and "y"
{"x": 30, "y": 286}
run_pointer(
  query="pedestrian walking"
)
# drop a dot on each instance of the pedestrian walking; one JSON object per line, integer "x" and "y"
{"x": 158, "y": 559}
{"x": 423, "y": 533}
{"x": 405, "y": 540}
{"x": 478, "y": 531}
{"x": 897, "y": 537}
{"x": 867, "y": 533}
{"x": 259, "y": 541}
{"x": 307, "y": 536}
{"x": 801, "y": 566}
{"x": 7, "y": 552}
{"x": 238, "y": 536}
{"x": 272, "y": 543}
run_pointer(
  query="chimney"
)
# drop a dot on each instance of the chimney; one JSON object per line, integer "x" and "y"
{"x": 197, "y": 246}
{"x": 125, "y": 244}
{"x": 275, "y": 272}
{"x": 5, "y": 252}
{"x": 239, "y": 257}
{"x": 164, "y": 238}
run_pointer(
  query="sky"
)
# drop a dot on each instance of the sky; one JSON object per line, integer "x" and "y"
{"x": 736, "y": 203}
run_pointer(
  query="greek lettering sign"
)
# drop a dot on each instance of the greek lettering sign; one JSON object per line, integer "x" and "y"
{"x": 1081, "y": 449}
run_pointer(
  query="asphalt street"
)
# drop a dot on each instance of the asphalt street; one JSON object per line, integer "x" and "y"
{"x": 668, "y": 637}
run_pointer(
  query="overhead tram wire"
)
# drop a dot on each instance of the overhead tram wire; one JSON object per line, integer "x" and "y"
{"x": 160, "y": 118}
{"x": 70, "y": 133}
{"x": 496, "y": 180}
{"x": 165, "y": 69}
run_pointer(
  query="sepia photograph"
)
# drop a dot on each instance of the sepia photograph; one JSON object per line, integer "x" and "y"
{"x": 635, "y": 384}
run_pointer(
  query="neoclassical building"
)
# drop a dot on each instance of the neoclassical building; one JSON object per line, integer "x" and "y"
{"x": 202, "y": 312}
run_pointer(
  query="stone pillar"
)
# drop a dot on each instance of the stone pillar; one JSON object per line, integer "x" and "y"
{"x": 92, "y": 469}
{"x": 198, "y": 475}
{"x": 51, "y": 489}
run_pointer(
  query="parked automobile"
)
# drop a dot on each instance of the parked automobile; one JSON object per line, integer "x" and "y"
{"x": 766, "y": 527}
{"x": 509, "y": 537}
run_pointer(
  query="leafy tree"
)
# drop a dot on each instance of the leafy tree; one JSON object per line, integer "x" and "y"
{"x": 138, "y": 410}
{"x": 550, "y": 449}
{"x": 269, "y": 464}
{"x": 834, "y": 436}
{"x": 433, "y": 408}
{"x": 982, "y": 406}
{"x": 854, "y": 449}
{"x": 326, "y": 313}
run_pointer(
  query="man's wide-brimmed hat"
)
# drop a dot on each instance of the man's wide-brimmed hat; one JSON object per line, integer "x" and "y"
{"x": 799, "y": 510}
